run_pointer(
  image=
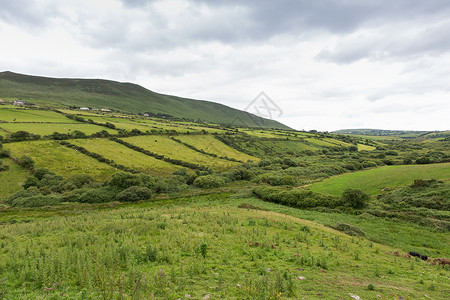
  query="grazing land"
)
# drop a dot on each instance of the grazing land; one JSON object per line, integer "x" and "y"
{"x": 113, "y": 205}
{"x": 376, "y": 180}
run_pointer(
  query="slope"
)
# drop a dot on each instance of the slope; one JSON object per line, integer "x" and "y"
{"x": 125, "y": 97}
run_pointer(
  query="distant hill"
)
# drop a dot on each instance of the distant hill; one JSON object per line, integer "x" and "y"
{"x": 125, "y": 97}
{"x": 406, "y": 134}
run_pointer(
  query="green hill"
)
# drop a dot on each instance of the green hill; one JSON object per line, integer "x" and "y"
{"x": 126, "y": 97}
{"x": 405, "y": 134}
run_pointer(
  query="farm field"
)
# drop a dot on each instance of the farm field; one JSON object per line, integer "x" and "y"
{"x": 29, "y": 115}
{"x": 373, "y": 181}
{"x": 204, "y": 246}
{"x": 14, "y": 176}
{"x": 171, "y": 149}
{"x": 49, "y": 128}
{"x": 362, "y": 147}
{"x": 127, "y": 157}
{"x": 210, "y": 144}
{"x": 61, "y": 160}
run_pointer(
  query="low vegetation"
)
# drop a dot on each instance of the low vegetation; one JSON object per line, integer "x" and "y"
{"x": 146, "y": 207}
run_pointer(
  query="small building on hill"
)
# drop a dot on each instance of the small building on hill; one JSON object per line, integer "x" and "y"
{"x": 20, "y": 102}
{"x": 105, "y": 109}
{"x": 84, "y": 108}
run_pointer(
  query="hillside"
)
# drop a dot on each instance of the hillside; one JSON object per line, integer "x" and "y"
{"x": 125, "y": 97}
{"x": 405, "y": 134}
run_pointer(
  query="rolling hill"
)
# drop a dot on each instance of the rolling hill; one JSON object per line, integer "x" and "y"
{"x": 125, "y": 97}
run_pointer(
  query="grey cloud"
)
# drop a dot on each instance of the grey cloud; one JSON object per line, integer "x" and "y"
{"x": 25, "y": 13}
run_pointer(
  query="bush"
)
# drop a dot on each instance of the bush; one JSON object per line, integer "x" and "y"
{"x": 5, "y": 153}
{"x": 99, "y": 195}
{"x": 349, "y": 229}
{"x": 36, "y": 201}
{"x": 355, "y": 198}
{"x": 209, "y": 181}
{"x": 41, "y": 172}
{"x": 296, "y": 198}
{"x": 29, "y": 182}
{"x": 124, "y": 180}
{"x": 3, "y": 167}
{"x": 369, "y": 164}
{"x": 134, "y": 193}
{"x": 26, "y": 162}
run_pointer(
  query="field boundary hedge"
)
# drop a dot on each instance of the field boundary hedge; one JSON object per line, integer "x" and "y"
{"x": 204, "y": 152}
{"x": 99, "y": 157}
{"x": 161, "y": 157}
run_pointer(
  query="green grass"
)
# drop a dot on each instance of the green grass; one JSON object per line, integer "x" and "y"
{"x": 127, "y": 157}
{"x": 49, "y": 128}
{"x": 31, "y": 115}
{"x": 11, "y": 180}
{"x": 194, "y": 247}
{"x": 365, "y": 147}
{"x": 373, "y": 181}
{"x": 169, "y": 148}
{"x": 210, "y": 144}
{"x": 59, "y": 159}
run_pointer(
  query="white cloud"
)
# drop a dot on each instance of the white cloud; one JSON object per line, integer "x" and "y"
{"x": 328, "y": 65}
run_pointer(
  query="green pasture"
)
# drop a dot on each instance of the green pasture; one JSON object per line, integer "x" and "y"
{"x": 321, "y": 143}
{"x": 12, "y": 179}
{"x": 374, "y": 180}
{"x": 171, "y": 149}
{"x": 203, "y": 247}
{"x": 210, "y": 144}
{"x": 365, "y": 147}
{"x": 49, "y": 128}
{"x": 126, "y": 156}
{"x": 32, "y": 115}
{"x": 61, "y": 160}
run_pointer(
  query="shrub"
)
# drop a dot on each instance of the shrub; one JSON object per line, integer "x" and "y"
{"x": 209, "y": 181}
{"x": 3, "y": 167}
{"x": 369, "y": 164}
{"x": 36, "y": 201}
{"x": 125, "y": 180}
{"x": 134, "y": 193}
{"x": 349, "y": 229}
{"x": 355, "y": 198}
{"x": 5, "y": 153}
{"x": 41, "y": 172}
{"x": 29, "y": 182}
{"x": 26, "y": 162}
{"x": 99, "y": 195}
{"x": 423, "y": 160}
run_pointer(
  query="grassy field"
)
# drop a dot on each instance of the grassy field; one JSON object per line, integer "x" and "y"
{"x": 210, "y": 144}
{"x": 127, "y": 157}
{"x": 28, "y": 115}
{"x": 199, "y": 247}
{"x": 365, "y": 147}
{"x": 169, "y": 148}
{"x": 11, "y": 180}
{"x": 49, "y": 128}
{"x": 61, "y": 160}
{"x": 373, "y": 181}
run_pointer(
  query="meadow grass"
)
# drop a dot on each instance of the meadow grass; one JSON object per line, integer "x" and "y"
{"x": 210, "y": 144}
{"x": 197, "y": 247}
{"x": 171, "y": 149}
{"x": 31, "y": 115}
{"x": 126, "y": 156}
{"x": 49, "y": 128}
{"x": 374, "y": 180}
{"x": 12, "y": 179}
{"x": 61, "y": 160}
{"x": 365, "y": 147}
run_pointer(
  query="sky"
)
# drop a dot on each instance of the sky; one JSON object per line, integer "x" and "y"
{"x": 325, "y": 64}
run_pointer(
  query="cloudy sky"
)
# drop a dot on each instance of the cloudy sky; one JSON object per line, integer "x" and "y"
{"x": 327, "y": 64}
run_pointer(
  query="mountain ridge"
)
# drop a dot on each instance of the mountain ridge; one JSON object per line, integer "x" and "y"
{"x": 123, "y": 96}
